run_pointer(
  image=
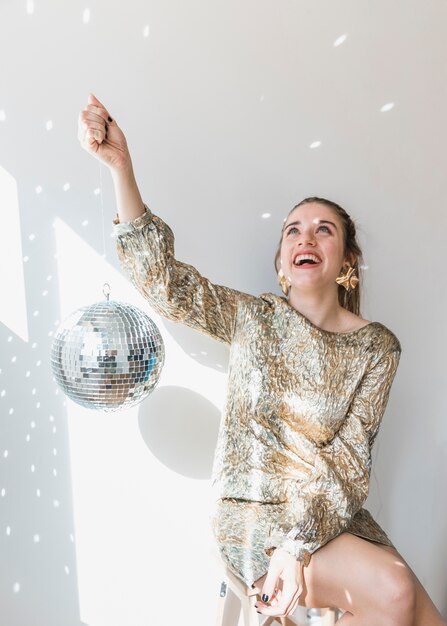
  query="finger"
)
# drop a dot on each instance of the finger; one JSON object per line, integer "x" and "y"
{"x": 271, "y": 581}
{"x": 94, "y": 126}
{"x": 95, "y": 135}
{"x": 292, "y": 608}
{"x": 275, "y": 611}
{"x": 272, "y": 611}
{"x": 295, "y": 601}
{"x": 297, "y": 595}
{"x": 288, "y": 591}
{"x": 91, "y": 141}
{"x": 90, "y": 145}
{"x": 86, "y": 124}
{"x": 101, "y": 113}
{"x": 283, "y": 598}
{"x": 276, "y": 595}
{"x": 91, "y": 116}
{"x": 93, "y": 101}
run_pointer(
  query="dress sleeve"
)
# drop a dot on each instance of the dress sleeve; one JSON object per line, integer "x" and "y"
{"x": 175, "y": 290}
{"x": 339, "y": 483}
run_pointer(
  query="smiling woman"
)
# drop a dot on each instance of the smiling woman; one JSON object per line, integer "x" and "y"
{"x": 308, "y": 385}
{"x": 326, "y": 221}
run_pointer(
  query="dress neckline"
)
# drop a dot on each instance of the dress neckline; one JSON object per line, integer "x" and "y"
{"x": 317, "y": 328}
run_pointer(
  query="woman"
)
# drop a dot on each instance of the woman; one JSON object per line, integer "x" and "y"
{"x": 308, "y": 383}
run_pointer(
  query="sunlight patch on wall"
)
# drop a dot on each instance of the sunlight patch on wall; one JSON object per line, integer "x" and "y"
{"x": 12, "y": 282}
{"x": 126, "y": 503}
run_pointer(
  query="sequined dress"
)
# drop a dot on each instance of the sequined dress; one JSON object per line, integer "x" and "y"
{"x": 303, "y": 407}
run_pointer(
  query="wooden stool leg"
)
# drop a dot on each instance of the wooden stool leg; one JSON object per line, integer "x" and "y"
{"x": 228, "y": 607}
{"x": 249, "y": 612}
{"x": 221, "y": 604}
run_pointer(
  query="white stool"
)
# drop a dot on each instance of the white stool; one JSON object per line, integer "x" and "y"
{"x": 233, "y": 588}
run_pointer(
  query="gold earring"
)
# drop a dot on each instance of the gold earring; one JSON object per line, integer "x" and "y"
{"x": 285, "y": 285}
{"x": 348, "y": 280}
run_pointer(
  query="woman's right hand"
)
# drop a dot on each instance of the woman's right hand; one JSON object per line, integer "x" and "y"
{"x": 101, "y": 136}
{"x": 283, "y": 585}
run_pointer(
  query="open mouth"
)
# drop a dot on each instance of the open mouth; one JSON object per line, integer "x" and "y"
{"x": 306, "y": 260}
{"x": 306, "y": 263}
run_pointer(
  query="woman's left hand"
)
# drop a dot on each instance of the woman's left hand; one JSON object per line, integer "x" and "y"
{"x": 282, "y": 599}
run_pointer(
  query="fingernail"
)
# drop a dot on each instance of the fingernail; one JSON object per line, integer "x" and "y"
{"x": 259, "y": 612}
{"x": 264, "y": 598}
{"x": 110, "y": 119}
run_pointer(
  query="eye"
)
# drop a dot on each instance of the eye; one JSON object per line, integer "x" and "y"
{"x": 326, "y": 227}
{"x": 321, "y": 226}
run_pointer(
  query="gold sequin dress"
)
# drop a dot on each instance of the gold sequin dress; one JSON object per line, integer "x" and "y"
{"x": 303, "y": 407}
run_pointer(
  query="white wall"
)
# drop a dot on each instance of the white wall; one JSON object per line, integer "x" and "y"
{"x": 221, "y": 103}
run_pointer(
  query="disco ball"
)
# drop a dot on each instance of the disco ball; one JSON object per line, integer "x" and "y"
{"x": 107, "y": 356}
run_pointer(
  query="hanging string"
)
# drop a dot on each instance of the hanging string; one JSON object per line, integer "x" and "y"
{"x": 106, "y": 287}
{"x": 102, "y": 212}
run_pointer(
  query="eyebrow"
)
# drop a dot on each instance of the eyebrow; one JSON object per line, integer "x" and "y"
{"x": 319, "y": 222}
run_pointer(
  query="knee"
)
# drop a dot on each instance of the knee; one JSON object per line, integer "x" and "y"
{"x": 399, "y": 594}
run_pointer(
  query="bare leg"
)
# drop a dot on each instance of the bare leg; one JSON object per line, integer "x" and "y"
{"x": 370, "y": 581}
{"x": 425, "y": 612}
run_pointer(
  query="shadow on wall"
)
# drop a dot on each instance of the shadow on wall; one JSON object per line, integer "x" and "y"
{"x": 180, "y": 428}
{"x": 206, "y": 351}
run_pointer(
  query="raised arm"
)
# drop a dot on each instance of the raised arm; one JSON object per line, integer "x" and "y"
{"x": 174, "y": 289}
{"x": 145, "y": 243}
{"x": 100, "y": 136}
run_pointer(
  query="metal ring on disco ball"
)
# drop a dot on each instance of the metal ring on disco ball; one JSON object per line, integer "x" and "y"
{"x": 107, "y": 356}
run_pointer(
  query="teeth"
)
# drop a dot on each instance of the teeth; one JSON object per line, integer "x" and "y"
{"x": 300, "y": 257}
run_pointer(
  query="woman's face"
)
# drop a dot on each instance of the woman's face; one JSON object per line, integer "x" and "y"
{"x": 317, "y": 229}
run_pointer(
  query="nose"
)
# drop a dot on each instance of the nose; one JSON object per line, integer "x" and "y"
{"x": 307, "y": 239}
